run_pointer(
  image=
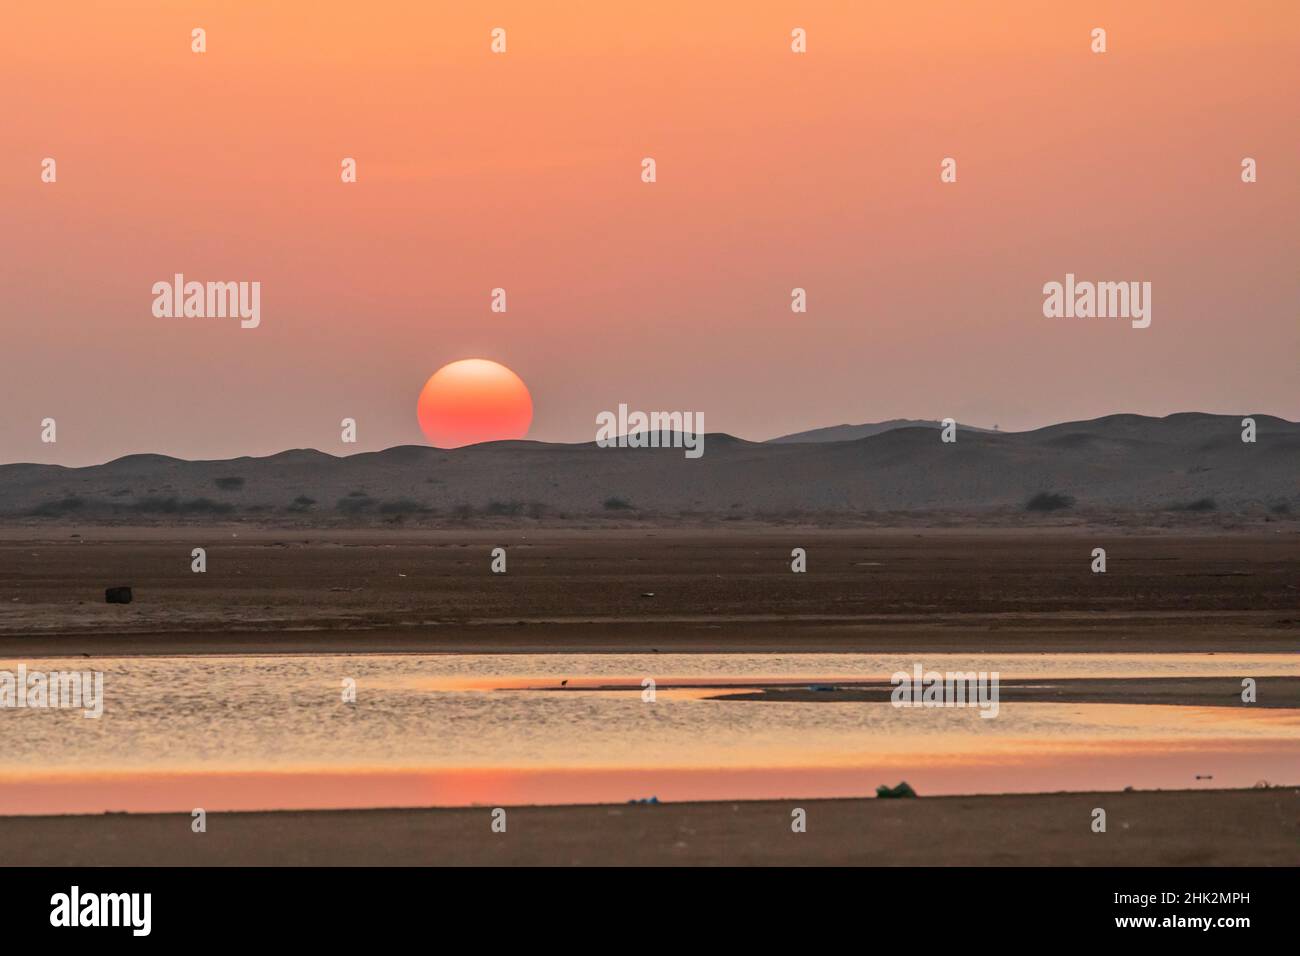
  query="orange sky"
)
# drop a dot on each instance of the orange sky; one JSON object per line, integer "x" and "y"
{"x": 522, "y": 171}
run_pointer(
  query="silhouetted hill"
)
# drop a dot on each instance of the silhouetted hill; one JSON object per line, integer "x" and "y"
{"x": 1187, "y": 461}
{"x": 854, "y": 432}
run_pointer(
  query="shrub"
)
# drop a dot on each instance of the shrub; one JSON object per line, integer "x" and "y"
{"x": 205, "y": 506}
{"x": 1048, "y": 501}
{"x": 401, "y": 506}
{"x": 53, "y": 509}
{"x": 230, "y": 483}
{"x": 617, "y": 504}
{"x": 354, "y": 504}
{"x": 154, "y": 504}
{"x": 173, "y": 505}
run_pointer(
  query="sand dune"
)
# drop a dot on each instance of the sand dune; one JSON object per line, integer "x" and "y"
{"x": 1189, "y": 463}
{"x": 854, "y": 432}
{"x": 863, "y": 431}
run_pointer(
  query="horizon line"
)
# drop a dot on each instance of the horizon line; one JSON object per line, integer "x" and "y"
{"x": 917, "y": 423}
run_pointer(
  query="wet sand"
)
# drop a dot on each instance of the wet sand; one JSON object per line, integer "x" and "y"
{"x": 1161, "y": 828}
{"x": 645, "y": 590}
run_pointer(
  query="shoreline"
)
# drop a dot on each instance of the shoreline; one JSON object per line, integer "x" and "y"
{"x": 1177, "y": 634}
{"x": 1274, "y": 692}
{"x": 1257, "y": 827}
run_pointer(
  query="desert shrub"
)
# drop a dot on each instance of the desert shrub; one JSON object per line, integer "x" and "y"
{"x": 154, "y": 504}
{"x": 462, "y": 511}
{"x": 354, "y": 504}
{"x": 1048, "y": 501}
{"x": 401, "y": 506}
{"x": 205, "y": 506}
{"x": 53, "y": 509}
{"x": 1200, "y": 504}
{"x": 173, "y": 505}
{"x": 617, "y": 504}
{"x": 1281, "y": 508}
{"x": 495, "y": 507}
{"x": 230, "y": 483}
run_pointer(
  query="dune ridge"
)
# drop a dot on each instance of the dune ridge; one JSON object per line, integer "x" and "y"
{"x": 1187, "y": 462}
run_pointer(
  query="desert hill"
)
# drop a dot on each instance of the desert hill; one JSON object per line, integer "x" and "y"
{"x": 1188, "y": 461}
{"x": 854, "y": 432}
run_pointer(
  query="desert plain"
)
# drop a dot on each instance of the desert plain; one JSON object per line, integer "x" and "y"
{"x": 721, "y": 587}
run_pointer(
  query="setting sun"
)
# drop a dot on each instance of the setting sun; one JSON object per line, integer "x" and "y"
{"x": 472, "y": 401}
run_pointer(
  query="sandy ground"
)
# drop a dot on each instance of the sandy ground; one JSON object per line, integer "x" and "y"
{"x": 664, "y": 590}
{"x": 645, "y": 590}
{"x": 1171, "y": 828}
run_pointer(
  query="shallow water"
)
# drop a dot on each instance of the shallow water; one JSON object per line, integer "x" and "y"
{"x": 274, "y": 732}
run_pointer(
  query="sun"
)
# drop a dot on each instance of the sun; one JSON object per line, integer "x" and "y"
{"x": 472, "y": 401}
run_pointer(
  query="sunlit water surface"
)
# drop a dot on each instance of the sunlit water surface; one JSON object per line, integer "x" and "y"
{"x": 266, "y": 732}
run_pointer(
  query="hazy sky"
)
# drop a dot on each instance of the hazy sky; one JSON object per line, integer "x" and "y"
{"x": 522, "y": 171}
